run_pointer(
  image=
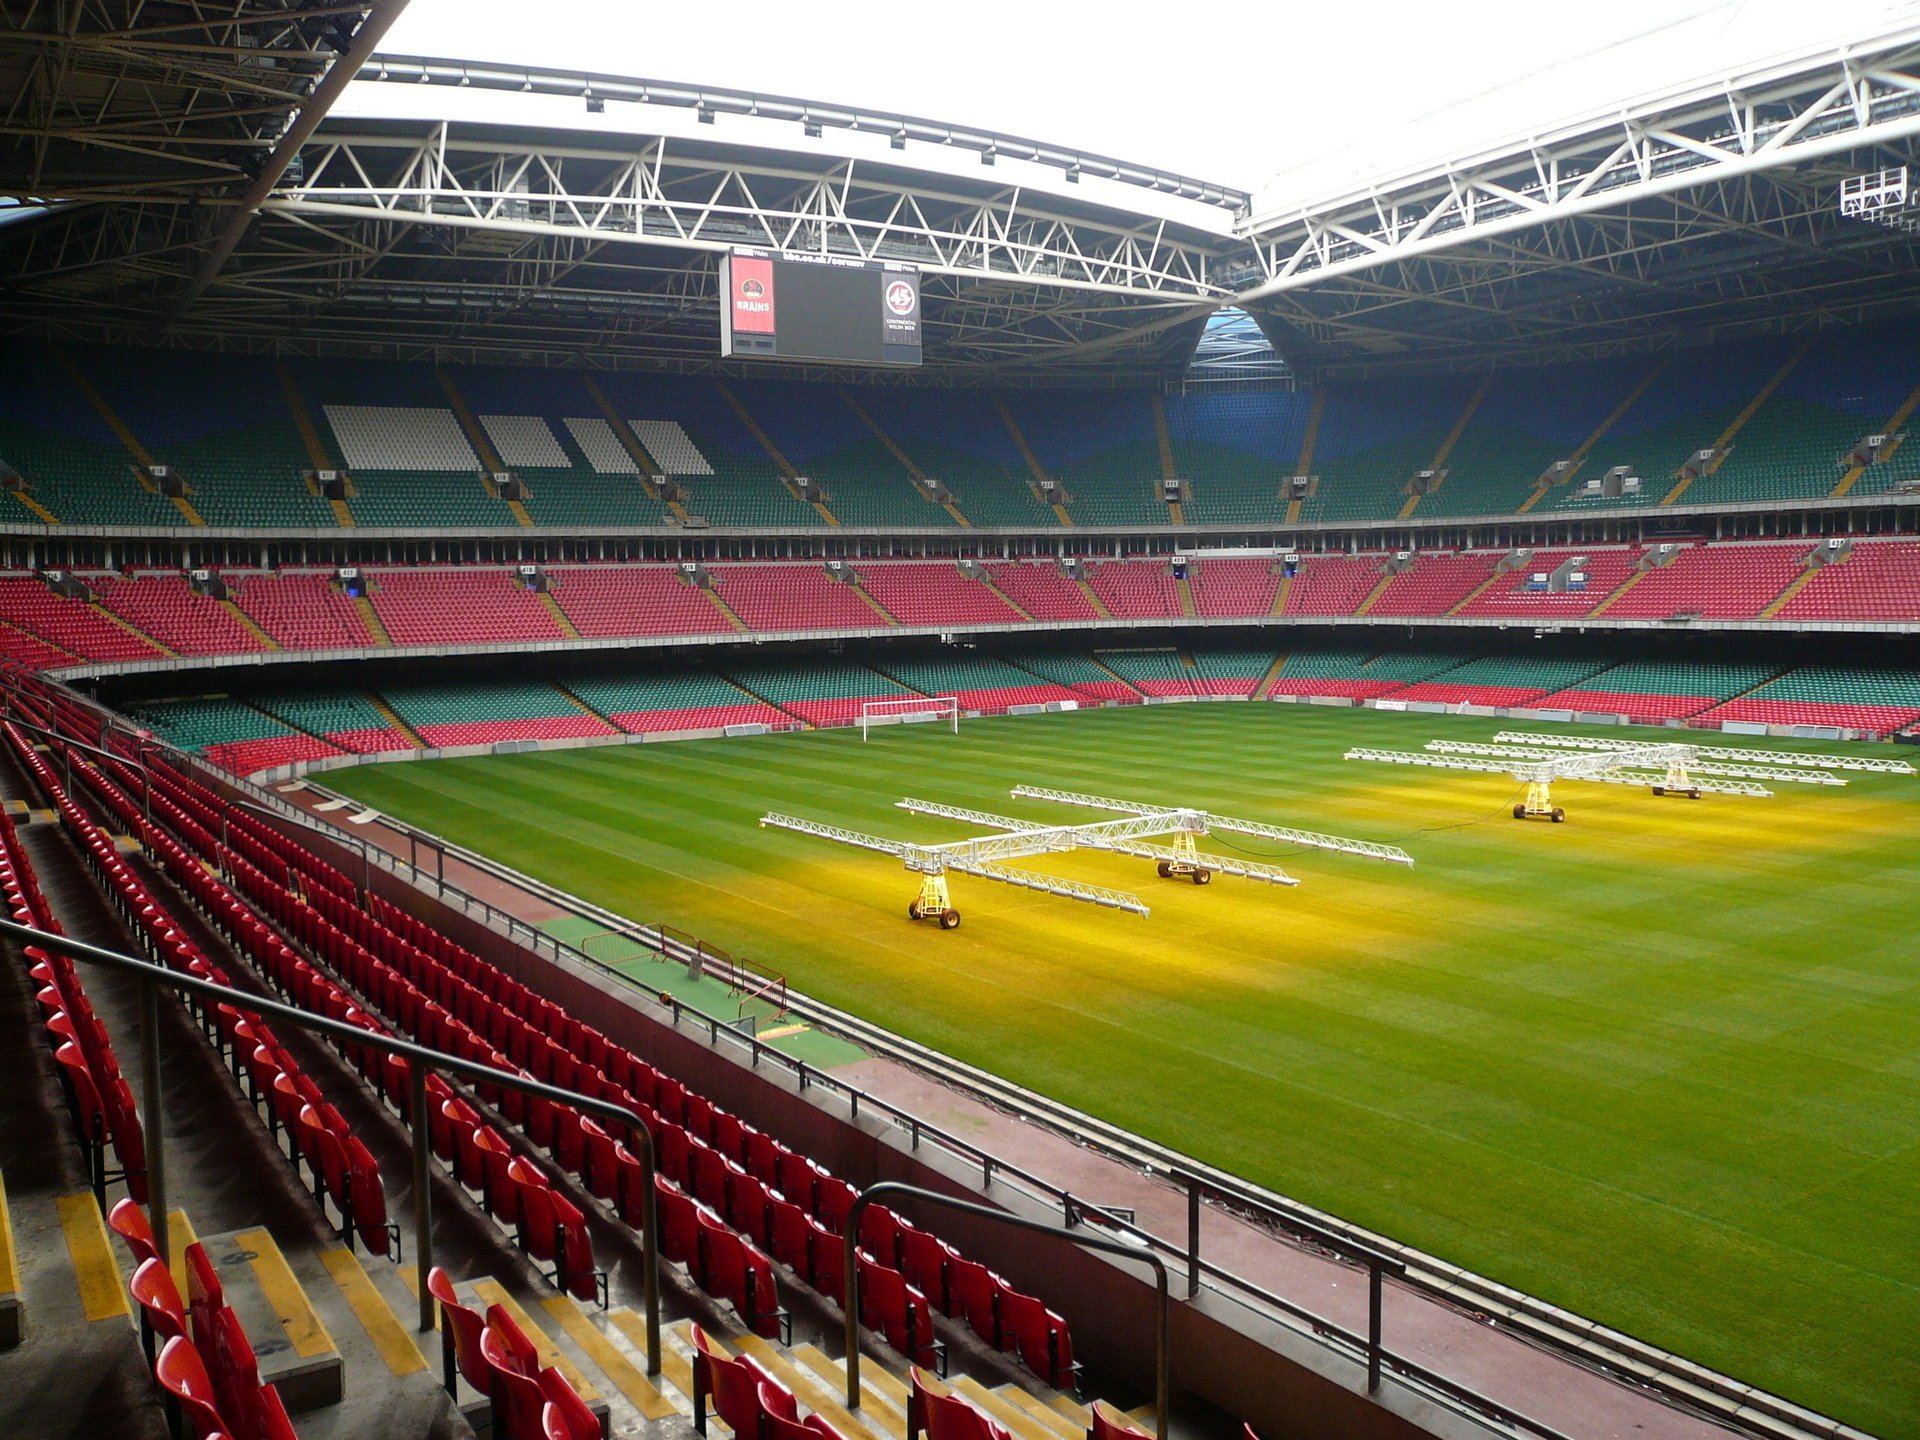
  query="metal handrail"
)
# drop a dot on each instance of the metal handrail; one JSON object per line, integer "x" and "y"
{"x": 421, "y": 1060}
{"x": 851, "y": 1285}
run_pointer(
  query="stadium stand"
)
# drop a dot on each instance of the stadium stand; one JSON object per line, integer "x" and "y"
{"x": 1353, "y": 674}
{"x": 1101, "y": 446}
{"x": 957, "y": 438}
{"x": 793, "y": 596}
{"x": 1230, "y": 672}
{"x": 1038, "y": 587}
{"x": 604, "y": 601}
{"x": 1333, "y": 584}
{"x": 934, "y": 594}
{"x": 822, "y": 694}
{"x": 977, "y": 682}
{"x": 1235, "y": 450}
{"x": 69, "y": 623}
{"x": 1081, "y": 674}
{"x": 1524, "y": 589}
{"x": 1500, "y": 680}
{"x": 1374, "y": 438}
{"x": 486, "y": 712}
{"x": 230, "y": 733}
{"x": 682, "y": 700}
{"x": 1135, "y": 589}
{"x": 1877, "y": 701}
{"x": 166, "y": 608}
{"x": 1879, "y": 580}
{"x": 467, "y": 606}
{"x": 1433, "y": 584}
{"x": 1159, "y": 673}
{"x": 300, "y": 609}
{"x": 1233, "y": 587}
{"x": 340, "y": 717}
{"x": 1714, "y": 581}
{"x": 1658, "y": 690}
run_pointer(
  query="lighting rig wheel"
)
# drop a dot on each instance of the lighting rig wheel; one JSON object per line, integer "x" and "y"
{"x": 913, "y": 909}
{"x": 1165, "y": 869}
{"x": 1659, "y": 789}
{"x": 949, "y": 919}
{"x": 1519, "y": 812}
{"x": 1558, "y": 815}
{"x": 1693, "y": 794}
{"x": 1203, "y": 877}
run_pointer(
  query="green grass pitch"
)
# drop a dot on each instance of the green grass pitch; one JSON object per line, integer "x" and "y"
{"x": 1660, "y": 1064}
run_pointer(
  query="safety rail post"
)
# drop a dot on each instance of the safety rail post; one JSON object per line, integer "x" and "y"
{"x": 419, "y": 1058}
{"x": 851, "y": 1278}
{"x": 1373, "y": 1326}
{"x": 422, "y": 1180}
{"x": 1193, "y": 1238}
{"x": 151, "y": 1119}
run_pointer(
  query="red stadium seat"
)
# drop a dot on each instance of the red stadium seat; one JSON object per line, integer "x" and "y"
{"x": 896, "y": 1310}
{"x": 184, "y": 1377}
{"x": 460, "y": 1327}
{"x": 162, "y": 1315}
{"x": 1039, "y": 1337}
{"x": 742, "y": 1391}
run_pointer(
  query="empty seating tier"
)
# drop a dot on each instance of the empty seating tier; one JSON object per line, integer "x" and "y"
{"x": 686, "y": 700}
{"x": 977, "y": 682}
{"x": 487, "y": 712}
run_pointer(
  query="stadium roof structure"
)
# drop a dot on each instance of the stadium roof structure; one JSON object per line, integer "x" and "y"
{"x": 499, "y": 212}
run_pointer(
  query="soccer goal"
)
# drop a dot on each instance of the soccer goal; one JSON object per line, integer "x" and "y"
{"x": 917, "y": 711}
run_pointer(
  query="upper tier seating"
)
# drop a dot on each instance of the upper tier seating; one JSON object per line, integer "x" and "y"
{"x": 482, "y": 713}
{"x": 934, "y": 593}
{"x": 1101, "y": 445}
{"x": 1235, "y": 449}
{"x": 609, "y": 600}
{"x": 1719, "y": 582}
{"x": 957, "y": 438}
{"x": 301, "y": 609}
{"x": 1135, "y": 589}
{"x": 682, "y": 700}
{"x": 1038, "y": 587}
{"x": 227, "y": 426}
{"x": 165, "y": 607}
{"x": 792, "y": 596}
{"x": 471, "y": 606}
{"x": 1224, "y": 588}
{"x": 17, "y": 647}
{"x": 1513, "y": 593}
{"x": 1434, "y": 584}
{"x": 1333, "y": 584}
{"x": 72, "y": 625}
{"x": 1879, "y": 580}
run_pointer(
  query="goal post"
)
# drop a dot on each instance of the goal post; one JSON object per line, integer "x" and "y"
{"x": 919, "y": 710}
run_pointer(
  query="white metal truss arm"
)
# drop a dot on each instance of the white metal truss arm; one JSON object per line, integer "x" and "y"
{"x": 1726, "y": 752}
{"x": 898, "y": 848}
{"x": 1307, "y": 839}
{"x": 1694, "y": 767}
{"x": 1053, "y": 885}
{"x": 1052, "y": 839}
{"x": 1219, "y": 864}
{"x": 1538, "y": 772}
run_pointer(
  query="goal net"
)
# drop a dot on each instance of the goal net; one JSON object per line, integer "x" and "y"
{"x": 919, "y": 710}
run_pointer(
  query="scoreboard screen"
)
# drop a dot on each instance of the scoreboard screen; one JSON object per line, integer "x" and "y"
{"x": 786, "y": 307}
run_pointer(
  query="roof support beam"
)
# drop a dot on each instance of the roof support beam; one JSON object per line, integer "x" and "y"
{"x": 380, "y": 18}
